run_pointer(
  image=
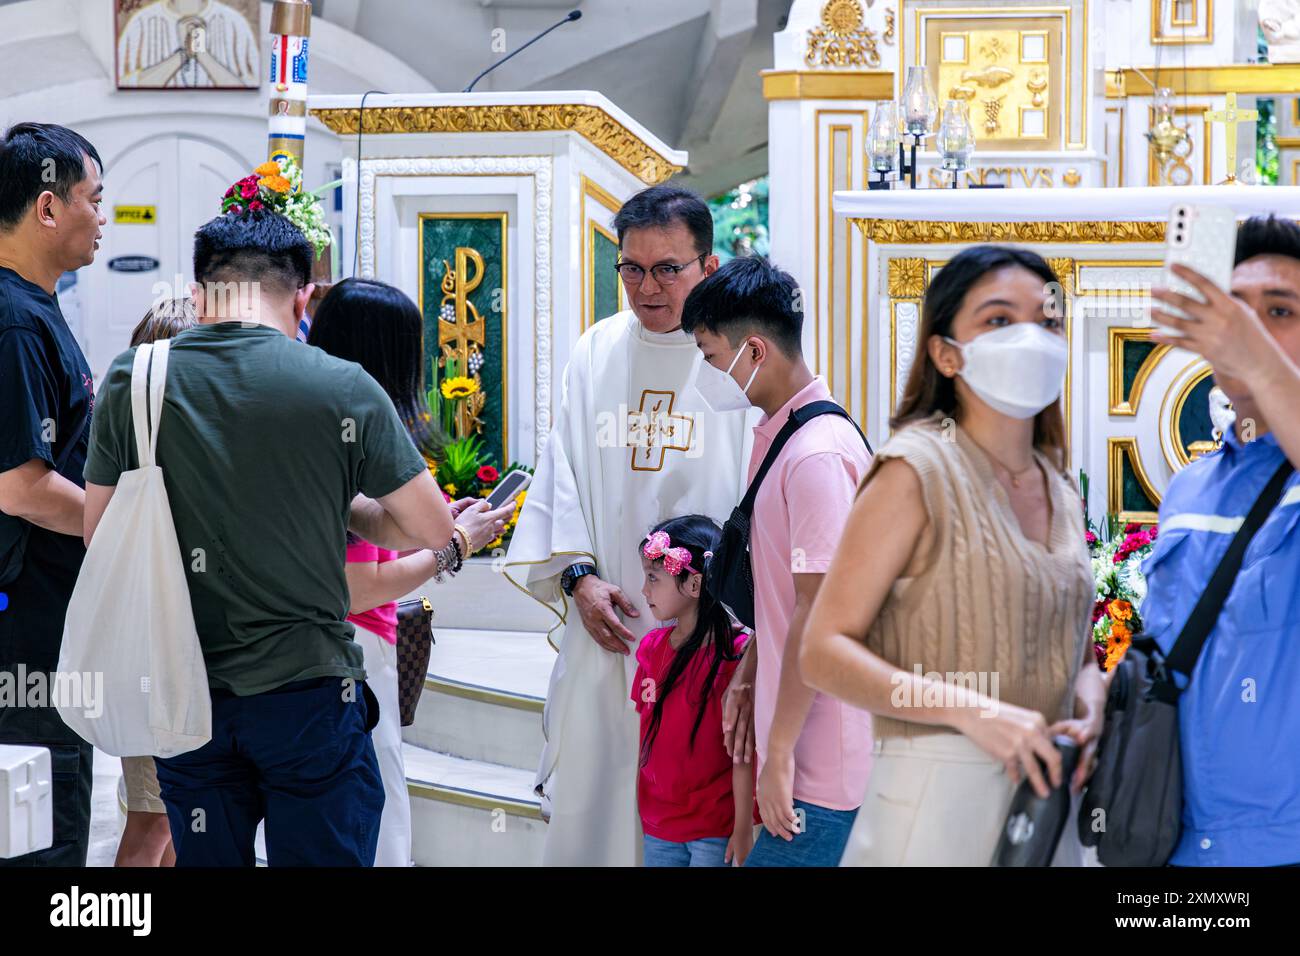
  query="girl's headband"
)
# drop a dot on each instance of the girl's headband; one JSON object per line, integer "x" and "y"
{"x": 676, "y": 560}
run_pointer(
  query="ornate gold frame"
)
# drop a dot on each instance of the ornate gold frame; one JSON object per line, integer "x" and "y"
{"x": 589, "y": 229}
{"x": 1066, "y": 12}
{"x": 504, "y": 218}
{"x": 595, "y": 125}
{"x": 1160, "y": 38}
{"x": 1241, "y": 78}
{"x": 1116, "y": 448}
{"x": 1206, "y": 133}
{"x": 1179, "y": 400}
{"x": 1121, "y": 404}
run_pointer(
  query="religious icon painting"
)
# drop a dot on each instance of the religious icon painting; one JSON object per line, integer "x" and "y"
{"x": 188, "y": 44}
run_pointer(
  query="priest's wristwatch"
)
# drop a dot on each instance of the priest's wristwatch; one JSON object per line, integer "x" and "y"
{"x": 571, "y": 574}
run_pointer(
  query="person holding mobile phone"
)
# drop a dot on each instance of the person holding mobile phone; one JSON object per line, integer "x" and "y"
{"x": 379, "y": 327}
{"x": 1238, "y": 715}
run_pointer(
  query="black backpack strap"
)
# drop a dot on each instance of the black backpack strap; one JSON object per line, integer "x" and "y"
{"x": 798, "y": 418}
{"x": 1183, "y": 655}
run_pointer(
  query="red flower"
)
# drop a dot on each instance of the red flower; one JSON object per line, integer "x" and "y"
{"x": 256, "y": 206}
{"x": 1099, "y": 651}
{"x": 248, "y": 190}
{"x": 1132, "y": 527}
{"x": 1153, "y": 532}
{"x": 1098, "y": 611}
{"x": 487, "y": 474}
{"x": 230, "y": 192}
{"x": 237, "y": 209}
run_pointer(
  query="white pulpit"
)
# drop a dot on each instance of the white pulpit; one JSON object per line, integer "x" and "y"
{"x": 494, "y": 211}
{"x": 1132, "y": 408}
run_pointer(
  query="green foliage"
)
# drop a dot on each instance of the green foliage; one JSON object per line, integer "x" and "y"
{"x": 740, "y": 220}
{"x": 461, "y": 459}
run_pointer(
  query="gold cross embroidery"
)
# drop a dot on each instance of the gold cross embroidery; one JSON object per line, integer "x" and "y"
{"x": 656, "y": 429}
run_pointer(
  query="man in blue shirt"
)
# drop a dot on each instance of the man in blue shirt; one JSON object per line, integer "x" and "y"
{"x": 1239, "y": 719}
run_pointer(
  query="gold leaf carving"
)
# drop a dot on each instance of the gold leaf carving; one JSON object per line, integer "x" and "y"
{"x": 906, "y": 278}
{"x": 603, "y": 131}
{"x": 842, "y": 40}
{"x": 908, "y": 231}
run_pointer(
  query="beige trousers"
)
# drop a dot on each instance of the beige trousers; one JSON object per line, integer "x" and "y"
{"x": 937, "y": 800}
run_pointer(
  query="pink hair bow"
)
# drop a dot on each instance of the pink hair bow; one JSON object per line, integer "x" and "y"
{"x": 676, "y": 560}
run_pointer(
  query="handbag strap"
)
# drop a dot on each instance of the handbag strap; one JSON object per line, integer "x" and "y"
{"x": 149, "y": 372}
{"x": 798, "y": 418}
{"x": 1183, "y": 655}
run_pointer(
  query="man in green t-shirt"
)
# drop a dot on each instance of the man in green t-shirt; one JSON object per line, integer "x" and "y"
{"x": 270, "y": 451}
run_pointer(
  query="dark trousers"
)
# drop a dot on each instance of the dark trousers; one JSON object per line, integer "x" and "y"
{"x": 71, "y": 760}
{"x": 299, "y": 756}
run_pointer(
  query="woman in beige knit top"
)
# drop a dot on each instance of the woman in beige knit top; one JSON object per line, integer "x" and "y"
{"x": 957, "y": 607}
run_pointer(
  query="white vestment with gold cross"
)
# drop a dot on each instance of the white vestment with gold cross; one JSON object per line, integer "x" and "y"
{"x": 632, "y": 445}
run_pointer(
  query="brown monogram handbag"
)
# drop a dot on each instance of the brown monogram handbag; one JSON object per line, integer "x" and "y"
{"x": 414, "y": 641}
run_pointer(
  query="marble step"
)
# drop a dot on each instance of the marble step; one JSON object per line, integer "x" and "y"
{"x": 470, "y": 812}
{"x": 484, "y": 695}
{"x": 482, "y": 597}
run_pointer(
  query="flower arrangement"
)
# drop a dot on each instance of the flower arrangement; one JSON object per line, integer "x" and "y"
{"x": 276, "y": 186}
{"x": 1117, "y": 552}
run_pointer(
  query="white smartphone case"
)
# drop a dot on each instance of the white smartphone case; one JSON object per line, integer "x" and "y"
{"x": 1203, "y": 238}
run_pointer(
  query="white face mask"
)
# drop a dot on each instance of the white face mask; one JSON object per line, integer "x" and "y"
{"x": 1017, "y": 370}
{"x": 720, "y": 391}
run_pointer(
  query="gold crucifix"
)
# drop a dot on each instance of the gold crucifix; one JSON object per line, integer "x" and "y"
{"x": 1231, "y": 116}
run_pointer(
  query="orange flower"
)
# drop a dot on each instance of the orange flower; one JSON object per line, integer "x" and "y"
{"x": 268, "y": 168}
{"x": 275, "y": 183}
{"x": 1120, "y": 632}
{"x": 1120, "y": 610}
{"x": 1117, "y": 646}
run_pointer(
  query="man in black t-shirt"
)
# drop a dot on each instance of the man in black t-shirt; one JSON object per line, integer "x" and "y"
{"x": 50, "y": 221}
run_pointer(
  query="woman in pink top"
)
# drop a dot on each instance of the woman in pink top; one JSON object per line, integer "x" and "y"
{"x": 380, "y": 328}
{"x": 696, "y": 806}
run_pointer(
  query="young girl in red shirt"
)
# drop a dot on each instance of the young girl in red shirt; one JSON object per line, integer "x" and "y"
{"x": 696, "y": 805}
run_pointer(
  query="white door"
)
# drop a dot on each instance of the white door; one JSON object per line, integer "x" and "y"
{"x": 183, "y": 180}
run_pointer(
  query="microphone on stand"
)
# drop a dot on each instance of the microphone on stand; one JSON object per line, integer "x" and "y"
{"x": 572, "y": 15}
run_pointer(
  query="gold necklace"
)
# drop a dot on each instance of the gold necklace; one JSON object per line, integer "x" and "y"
{"x": 1013, "y": 475}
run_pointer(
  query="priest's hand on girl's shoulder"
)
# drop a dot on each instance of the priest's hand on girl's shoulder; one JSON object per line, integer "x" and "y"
{"x": 596, "y": 600}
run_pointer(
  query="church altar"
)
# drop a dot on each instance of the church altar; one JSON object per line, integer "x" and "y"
{"x": 1135, "y": 412}
{"x": 494, "y": 212}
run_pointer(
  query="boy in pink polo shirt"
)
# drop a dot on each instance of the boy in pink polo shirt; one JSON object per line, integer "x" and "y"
{"x": 814, "y": 752}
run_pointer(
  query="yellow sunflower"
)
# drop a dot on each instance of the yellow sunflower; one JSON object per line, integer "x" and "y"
{"x": 276, "y": 183}
{"x": 459, "y": 387}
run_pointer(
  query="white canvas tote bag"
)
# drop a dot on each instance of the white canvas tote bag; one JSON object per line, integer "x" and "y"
{"x": 129, "y": 623}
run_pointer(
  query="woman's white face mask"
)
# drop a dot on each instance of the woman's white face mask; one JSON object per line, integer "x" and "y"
{"x": 1017, "y": 370}
{"x": 720, "y": 391}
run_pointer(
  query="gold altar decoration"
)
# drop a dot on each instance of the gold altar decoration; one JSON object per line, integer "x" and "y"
{"x": 1009, "y": 69}
{"x": 591, "y": 122}
{"x": 842, "y": 40}
{"x": 462, "y": 333}
{"x": 1117, "y": 338}
{"x": 906, "y": 278}
{"x": 828, "y": 84}
{"x": 898, "y": 231}
{"x": 1230, "y": 116}
{"x": 1117, "y": 450}
{"x": 1244, "y": 79}
{"x": 890, "y": 26}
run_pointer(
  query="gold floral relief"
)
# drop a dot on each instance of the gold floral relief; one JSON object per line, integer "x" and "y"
{"x": 842, "y": 39}
{"x": 906, "y": 278}
{"x": 603, "y": 131}
{"x": 908, "y": 231}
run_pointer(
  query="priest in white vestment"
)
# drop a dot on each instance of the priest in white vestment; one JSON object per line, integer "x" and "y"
{"x": 632, "y": 445}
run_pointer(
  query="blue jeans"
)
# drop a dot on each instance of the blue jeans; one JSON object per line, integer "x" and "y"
{"x": 709, "y": 851}
{"x": 825, "y": 832}
{"x": 300, "y": 756}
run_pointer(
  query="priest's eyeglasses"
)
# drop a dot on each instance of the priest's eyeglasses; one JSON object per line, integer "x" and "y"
{"x": 665, "y": 273}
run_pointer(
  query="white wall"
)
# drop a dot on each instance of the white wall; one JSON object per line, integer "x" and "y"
{"x": 59, "y": 68}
